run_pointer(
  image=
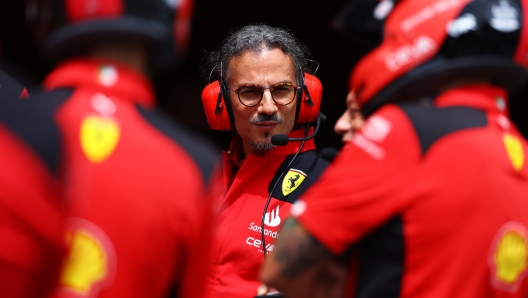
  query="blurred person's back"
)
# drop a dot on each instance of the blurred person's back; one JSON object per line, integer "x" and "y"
{"x": 432, "y": 191}
{"x": 136, "y": 181}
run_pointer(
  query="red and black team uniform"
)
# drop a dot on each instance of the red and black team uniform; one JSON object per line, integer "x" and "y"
{"x": 438, "y": 200}
{"x": 238, "y": 250}
{"x": 31, "y": 215}
{"x": 135, "y": 181}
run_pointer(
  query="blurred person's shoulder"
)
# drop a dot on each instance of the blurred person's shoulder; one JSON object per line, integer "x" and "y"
{"x": 204, "y": 152}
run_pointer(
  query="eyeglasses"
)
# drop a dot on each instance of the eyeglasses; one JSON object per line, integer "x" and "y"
{"x": 281, "y": 93}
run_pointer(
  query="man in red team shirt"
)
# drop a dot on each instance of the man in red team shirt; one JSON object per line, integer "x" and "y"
{"x": 431, "y": 195}
{"x": 265, "y": 88}
{"x": 135, "y": 180}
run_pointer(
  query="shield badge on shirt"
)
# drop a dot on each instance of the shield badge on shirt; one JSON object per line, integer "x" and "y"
{"x": 292, "y": 180}
{"x": 99, "y": 137}
{"x": 515, "y": 151}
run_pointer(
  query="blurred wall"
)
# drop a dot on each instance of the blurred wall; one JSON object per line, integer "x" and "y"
{"x": 179, "y": 89}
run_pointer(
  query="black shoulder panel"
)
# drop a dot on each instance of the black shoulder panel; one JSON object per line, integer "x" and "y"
{"x": 381, "y": 261}
{"x": 310, "y": 163}
{"x": 9, "y": 87}
{"x": 204, "y": 152}
{"x": 32, "y": 119}
{"x": 432, "y": 123}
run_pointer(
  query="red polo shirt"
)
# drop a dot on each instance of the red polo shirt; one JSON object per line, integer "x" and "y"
{"x": 435, "y": 197}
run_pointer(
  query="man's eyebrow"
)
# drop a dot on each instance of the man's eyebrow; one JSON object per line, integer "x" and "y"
{"x": 279, "y": 82}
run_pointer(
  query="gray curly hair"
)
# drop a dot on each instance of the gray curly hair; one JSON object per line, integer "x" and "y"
{"x": 257, "y": 38}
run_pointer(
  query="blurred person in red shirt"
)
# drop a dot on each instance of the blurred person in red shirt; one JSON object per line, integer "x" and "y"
{"x": 429, "y": 198}
{"x": 31, "y": 205}
{"x": 136, "y": 181}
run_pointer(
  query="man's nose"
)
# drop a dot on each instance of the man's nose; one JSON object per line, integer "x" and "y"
{"x": 343, "y": 125}
{"x": 267, "y": 105}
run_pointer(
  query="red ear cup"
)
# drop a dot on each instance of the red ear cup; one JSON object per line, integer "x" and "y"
{"x": 311, "y": 100}
{"x": 215, "y": 107}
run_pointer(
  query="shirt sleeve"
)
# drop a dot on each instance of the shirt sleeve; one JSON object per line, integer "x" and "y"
{"x": 366, "y": 185}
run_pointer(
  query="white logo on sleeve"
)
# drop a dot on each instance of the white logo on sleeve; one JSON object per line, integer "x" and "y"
{"x": 272, "y": 218}
{"x": 407, "y": 54}
{"x": 383, "y": 9}
{"x": 462, "y": 25}
{"x": 503, "y": 16}
{"x": 377, "y": 128}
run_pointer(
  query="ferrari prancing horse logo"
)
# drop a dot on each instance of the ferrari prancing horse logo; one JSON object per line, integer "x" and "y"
{"x": 292, "y": 180}
{"x": 99, "y": 137}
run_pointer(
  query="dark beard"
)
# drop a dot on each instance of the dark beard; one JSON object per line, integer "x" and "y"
{"x": 262, "y": 145}
{"x": 266, "y": 144}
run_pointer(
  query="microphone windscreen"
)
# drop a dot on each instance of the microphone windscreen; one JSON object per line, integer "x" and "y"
{"x": 280, "y": 139}
{"x": 322, "y": 117}
{"x": 329, "y": 153}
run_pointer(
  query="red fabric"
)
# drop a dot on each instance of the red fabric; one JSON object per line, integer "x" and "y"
{"x": 31, "y": 222}
{"x": 409, "y": 40}
{"x": 454, "y": 201}
{"x": 138, "y": 209}
{"x": 521, "y": 55}
{"x": 182, "y": 25}
{"x": 237, "y": 251}
{"x": 84, "y": 10}
{"x": 90, "y": 74}
{"x": 24, "y": 93}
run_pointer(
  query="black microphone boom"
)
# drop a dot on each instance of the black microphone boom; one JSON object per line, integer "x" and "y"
{"x": 282, "y": 139}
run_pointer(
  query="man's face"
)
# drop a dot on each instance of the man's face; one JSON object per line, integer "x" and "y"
{"x": 257, "y": 124}
{"x": 351, "y": 120}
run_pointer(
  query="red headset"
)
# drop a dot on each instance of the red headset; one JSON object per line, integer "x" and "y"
{"x": 219, "y": 114}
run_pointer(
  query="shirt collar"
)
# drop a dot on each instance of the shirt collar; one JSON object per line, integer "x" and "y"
{"x": 110, "y": 78}
{"x": 481, "y": 96}
{"x": 237, "y": 151}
